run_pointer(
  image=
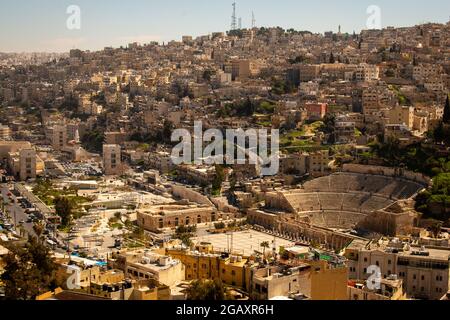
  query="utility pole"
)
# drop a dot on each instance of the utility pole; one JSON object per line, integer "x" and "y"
{"x": 231, "y": 250}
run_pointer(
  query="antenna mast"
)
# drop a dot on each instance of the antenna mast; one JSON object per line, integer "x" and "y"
{"x": 233, "y": 18}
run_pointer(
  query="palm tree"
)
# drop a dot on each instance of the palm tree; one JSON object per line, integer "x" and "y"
{"x": 38, "y": 229}
{"x": 265, "y": 245}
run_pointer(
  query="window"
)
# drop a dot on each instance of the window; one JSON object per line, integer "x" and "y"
{"x": 365, "y": 259}
{"x": 423, "y": 278}
{"x": 414, "y": 277}
{"x": 389, "y": 262}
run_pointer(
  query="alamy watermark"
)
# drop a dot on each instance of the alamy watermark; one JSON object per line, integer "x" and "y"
{"x": 374, "y": 18}
{"x": 73, "y": 22}
{"x": 241, "y": 147}
{"x": 374, "y": 281}
{"x": 74, "y": 280}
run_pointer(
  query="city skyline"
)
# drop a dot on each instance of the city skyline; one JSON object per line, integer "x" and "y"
{"x": 266, "y": 164}
{"x": 43, "y": 29}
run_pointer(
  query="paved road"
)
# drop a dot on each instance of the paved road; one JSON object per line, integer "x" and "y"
{"x": 16, "y": 212}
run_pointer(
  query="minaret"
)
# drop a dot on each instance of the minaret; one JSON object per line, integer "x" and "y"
{"x": 339, "y": 29}
{"x": 77, "y": 137}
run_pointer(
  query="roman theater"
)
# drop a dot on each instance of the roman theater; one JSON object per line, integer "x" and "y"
{"x": 336, "y": 208}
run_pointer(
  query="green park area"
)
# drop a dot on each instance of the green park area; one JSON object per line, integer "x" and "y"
{"x": 301, "y": 139}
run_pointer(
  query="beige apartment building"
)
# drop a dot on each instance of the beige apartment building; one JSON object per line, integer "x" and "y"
{"x": 308, "y": 72}
{"x": 159, "y": 217}
{"x": 376, "y": 98}
{"x": 241, "y": 69}
{"x": 112, "y": 161}
{"x": 315, "y": 280}
{"x": 5, "y": 132}
{"x": 390, "y": 289}
{"x": 59, "y": 137}
{"x": 23, "y": 161}
{"x": 367, "y": 72}
{"x": 401, "y": 115}
{"x": 318, "y": 163}
{"x": 27, "y": 162}
{"x": 12, "y": 147}
{"x": 424, "y": 271}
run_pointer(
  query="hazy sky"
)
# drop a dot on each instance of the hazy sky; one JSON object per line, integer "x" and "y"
{"x": 40, "y": 25}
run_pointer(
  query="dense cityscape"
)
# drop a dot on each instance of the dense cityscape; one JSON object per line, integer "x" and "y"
{"x": 94, "y": 207}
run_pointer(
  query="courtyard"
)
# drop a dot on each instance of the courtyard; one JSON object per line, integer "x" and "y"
{"x": 242, "y": 242}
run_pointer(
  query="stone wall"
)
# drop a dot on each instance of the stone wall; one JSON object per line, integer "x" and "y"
{"x": 284, "y": 225}
{"x": 389, "y": 172}
{"x": 388, "y": 223}
{"x": 190, "y": 194}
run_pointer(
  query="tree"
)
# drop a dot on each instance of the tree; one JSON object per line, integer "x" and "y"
{"x": 207, "y": 290}
{"x": 436, "y": 227}
{"x": 39, "y": 228}
{"x": 186, "y": 239}
{"x": 93, "y": 141}
{"x": 220, "y": 225}
{"x": 446, "y": 118}
{"x": 329, "y": 127}
{"x": 185, "y": 233}
{"x": 218, "y": 180}
{"x": 63, "y": 209}
{"x": 167, "y": 131}
{"x": 265, "y": 245}
{"x": 29, "y": 271}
